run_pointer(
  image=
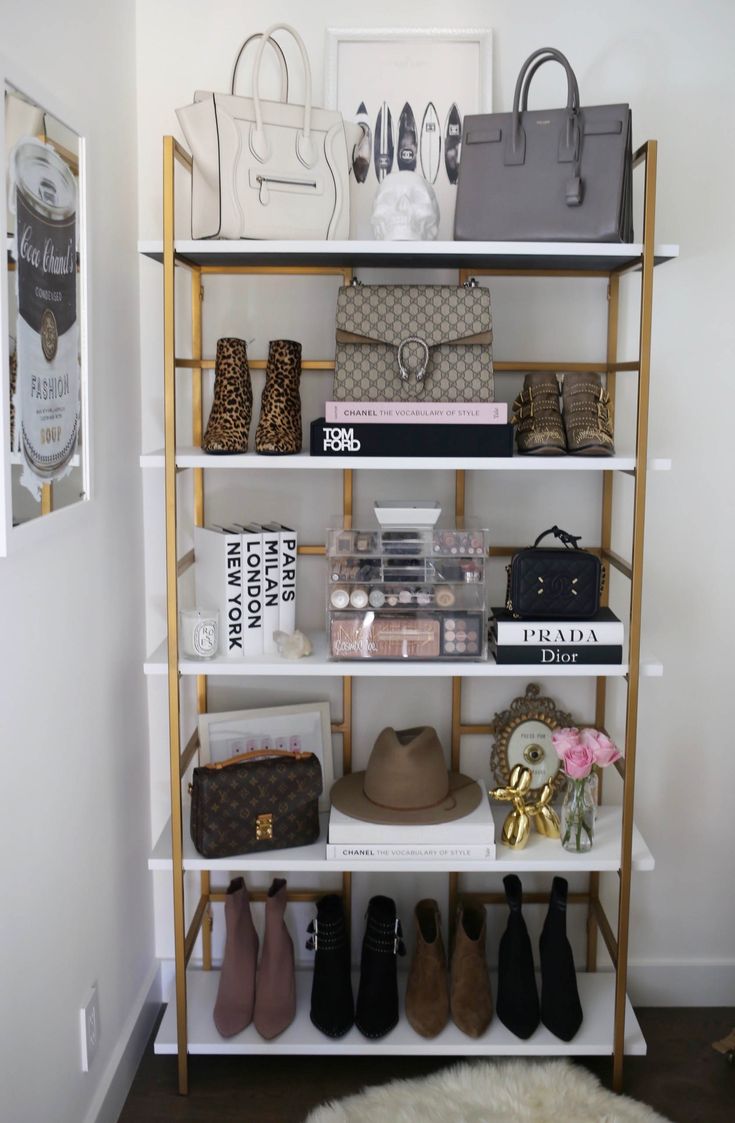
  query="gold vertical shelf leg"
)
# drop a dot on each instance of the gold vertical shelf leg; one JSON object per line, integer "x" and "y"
{"x": 197, "y": 428}
{"x": 639, "y": 505}
{"x": 608, "y": 478}
{"x": 172, "y": 602}
{"x": 47, "y": 499}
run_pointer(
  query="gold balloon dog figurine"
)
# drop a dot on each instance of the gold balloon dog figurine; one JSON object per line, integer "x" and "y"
{"x": 517, "y": 825}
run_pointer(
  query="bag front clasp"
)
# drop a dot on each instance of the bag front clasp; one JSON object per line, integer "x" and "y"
{"x": 421, "y": 369}
{"x": 264, "y": 828}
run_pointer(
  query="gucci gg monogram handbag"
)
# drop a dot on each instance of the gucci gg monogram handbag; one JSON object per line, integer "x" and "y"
{"x": 263, "y": 800}
{"x": 414, "y": 343}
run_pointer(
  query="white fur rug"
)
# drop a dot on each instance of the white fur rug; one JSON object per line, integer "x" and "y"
{"x": 491, "y": 1092}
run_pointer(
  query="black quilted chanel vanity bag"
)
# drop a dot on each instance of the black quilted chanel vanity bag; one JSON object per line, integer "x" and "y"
{"x": 547, "y": 582}
{"x": 263, "y": 800}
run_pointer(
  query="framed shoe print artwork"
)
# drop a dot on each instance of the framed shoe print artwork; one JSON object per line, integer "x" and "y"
{"x": 302, "y": 728}
{"x": 409, "y": 89}
{"x": 44, "y": 411}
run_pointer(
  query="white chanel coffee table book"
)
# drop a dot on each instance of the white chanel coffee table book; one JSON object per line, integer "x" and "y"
{"x": 472, "y": 837}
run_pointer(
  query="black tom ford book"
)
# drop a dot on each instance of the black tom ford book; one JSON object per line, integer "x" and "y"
{"x": 348, "y": 439}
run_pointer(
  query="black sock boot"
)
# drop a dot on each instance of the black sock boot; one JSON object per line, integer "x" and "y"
{"x": 332, "y": 1004}
{"x": 377, "y": 998}
{"x": 517, "y": 1001}
{"x": 561, "y": 1010}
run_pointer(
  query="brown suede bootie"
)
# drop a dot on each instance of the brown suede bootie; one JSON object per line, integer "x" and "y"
{"x": 279, "y": 425}
{"x": 587, "y": 415}
{"x": 427, "y": 992}
{"x": 232, "y": 409}
{"x": 537, "y": 416}
{"x": 233, "y": 1009}
{"x": 275, "y": 985}
{"x": 470, "y": 996}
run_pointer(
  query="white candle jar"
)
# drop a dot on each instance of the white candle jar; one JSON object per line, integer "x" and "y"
{"x": 199, "y": 632}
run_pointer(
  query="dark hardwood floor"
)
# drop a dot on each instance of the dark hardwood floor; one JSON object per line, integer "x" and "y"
{"x": 682, "y": 1077}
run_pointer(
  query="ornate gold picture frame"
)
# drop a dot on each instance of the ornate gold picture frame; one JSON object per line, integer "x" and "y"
{"x": 523, "y": 736}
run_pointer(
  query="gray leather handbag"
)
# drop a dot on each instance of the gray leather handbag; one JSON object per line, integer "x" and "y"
{"x": 552, "y": 175}
{"x": 414, "y": 343}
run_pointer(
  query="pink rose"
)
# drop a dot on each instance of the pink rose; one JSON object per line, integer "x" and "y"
{"x": 578, "y": 762}
{"x": 603, "y": 749}
{"x": 564, "y": 740}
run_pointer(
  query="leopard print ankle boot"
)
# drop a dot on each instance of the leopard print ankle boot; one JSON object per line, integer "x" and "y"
{"x": 232, "y": 409}
{"x": 279, "y": 426}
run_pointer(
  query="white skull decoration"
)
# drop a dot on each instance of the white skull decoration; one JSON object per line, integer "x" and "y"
{"x": 405, "y": 209}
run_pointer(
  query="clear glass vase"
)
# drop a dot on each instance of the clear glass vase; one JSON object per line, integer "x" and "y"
{"x": 578, "y": 815}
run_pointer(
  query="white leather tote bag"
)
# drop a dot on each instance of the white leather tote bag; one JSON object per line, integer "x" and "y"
{"x": 268, "y": 169}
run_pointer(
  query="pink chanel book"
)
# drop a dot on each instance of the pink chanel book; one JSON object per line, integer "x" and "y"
{"x": 418, "y": 413}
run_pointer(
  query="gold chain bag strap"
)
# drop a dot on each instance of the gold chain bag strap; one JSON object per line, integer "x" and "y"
{"x": 264, "y": 800}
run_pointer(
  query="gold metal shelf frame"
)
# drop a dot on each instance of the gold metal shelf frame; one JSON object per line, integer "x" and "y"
{"x": 615, "y": 937}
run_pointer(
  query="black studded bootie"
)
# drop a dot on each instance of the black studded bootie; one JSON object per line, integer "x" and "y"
{"x": 517, "y": 1002}
{"x": 332, "y": 1004}
{"x": 561, "y": 1010}
{"x": 376, "y": 1012}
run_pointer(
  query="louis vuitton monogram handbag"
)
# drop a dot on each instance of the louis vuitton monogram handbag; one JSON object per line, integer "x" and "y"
{"x": 414, "y": 343}
{"x": 263, "y": 800}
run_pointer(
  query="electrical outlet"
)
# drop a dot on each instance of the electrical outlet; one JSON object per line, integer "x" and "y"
{"x": 89, "y": 1026}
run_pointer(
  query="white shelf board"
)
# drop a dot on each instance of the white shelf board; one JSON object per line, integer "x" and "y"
{"x": 541, "y": 854}
{"x": 320, "y": 666}
{"x": 585, "y": 256}
{"x": 595, "y": 1037}
{"x": 194, "y": 458}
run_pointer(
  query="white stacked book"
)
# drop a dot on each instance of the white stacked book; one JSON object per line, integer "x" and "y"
{"x": 471, "y": 838}
{"x": 248, "y": 573}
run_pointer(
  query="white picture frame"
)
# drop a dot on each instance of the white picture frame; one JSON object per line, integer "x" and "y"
{"x": 411, "y": 71}
{"x": 223, "y": 735}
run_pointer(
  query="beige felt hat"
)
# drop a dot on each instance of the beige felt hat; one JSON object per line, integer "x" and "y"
{"x": 406, "y": 781}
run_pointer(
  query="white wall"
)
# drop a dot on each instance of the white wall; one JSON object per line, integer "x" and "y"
{"x": 671, "y": 60}
{"x": 76, "y": 895}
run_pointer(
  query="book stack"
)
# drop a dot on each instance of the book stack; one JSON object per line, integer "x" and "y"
{"x": 471, "y": 838}
{"x": 598, "y": 640}
{"x": 247, "y": 571}
{"x": 413, "y": 428}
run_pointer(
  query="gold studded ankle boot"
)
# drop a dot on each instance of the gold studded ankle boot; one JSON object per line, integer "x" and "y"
{"x": 587, "y": 415}
{"x": 279, "y": 426}
{"x": 232, "y": 409}
{"x": 537, "y": 416}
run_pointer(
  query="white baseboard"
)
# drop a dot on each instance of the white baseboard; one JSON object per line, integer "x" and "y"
{"x": 682, "y": 982}
{"x": 122, "y": 1066}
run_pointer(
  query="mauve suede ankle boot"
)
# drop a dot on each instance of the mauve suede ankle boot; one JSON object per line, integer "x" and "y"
{"x": 517, "y": 1003}
{"x": 332, "y": 1003}
{"x": 233, "y": 1008}
{"x": 275, "y": 982}
{"x": 561, "y": 1010}
{"x": 376, "y": 1012}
